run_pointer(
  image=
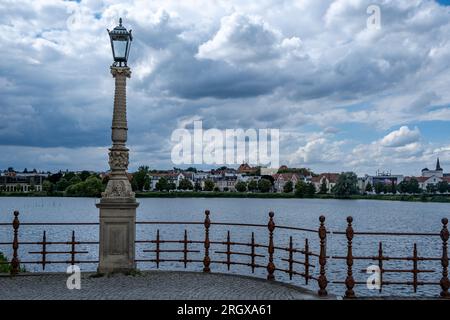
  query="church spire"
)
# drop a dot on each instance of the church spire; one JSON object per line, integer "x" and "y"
{"x": 438, "y": 165}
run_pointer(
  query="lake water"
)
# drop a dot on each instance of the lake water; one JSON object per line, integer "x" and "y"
{"x": 368, "y": 216}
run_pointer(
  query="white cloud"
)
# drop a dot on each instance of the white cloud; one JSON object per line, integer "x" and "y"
{"x": 401, "y": 137}
{"x": 248, "y": 39}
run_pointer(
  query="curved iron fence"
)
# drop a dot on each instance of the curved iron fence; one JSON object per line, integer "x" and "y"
{"x": 294, "y": 259}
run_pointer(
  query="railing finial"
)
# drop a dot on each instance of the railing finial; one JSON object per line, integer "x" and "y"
{"x": 349, "y": 281}
{"x": 15, "y": 263}
{"x": 322, "y": 281}
{"x": 206, "y": 259}
{"x": 271, "y": 247}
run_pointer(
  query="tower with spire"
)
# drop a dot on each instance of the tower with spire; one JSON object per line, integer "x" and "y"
{"x": 438, "y": 166}
{"x": 438, "y": 172}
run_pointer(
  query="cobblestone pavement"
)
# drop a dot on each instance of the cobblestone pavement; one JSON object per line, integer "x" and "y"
{"x": 162, "y": 285}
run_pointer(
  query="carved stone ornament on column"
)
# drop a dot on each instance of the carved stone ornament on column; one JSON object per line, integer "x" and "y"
{"x": 118, "y": 160}
{"x": 118, "y": 189}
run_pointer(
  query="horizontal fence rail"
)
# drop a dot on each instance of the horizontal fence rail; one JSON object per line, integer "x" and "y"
{"x": 294, "y": 259}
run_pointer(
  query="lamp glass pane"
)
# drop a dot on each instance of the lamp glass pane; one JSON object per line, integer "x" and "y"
{"x": 120, "y": 49}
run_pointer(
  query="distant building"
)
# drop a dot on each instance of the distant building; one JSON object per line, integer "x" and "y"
{"x": 432, "y": 177}
{"x": 280, "y": 180}
{"x": 11, "y": 181}
{"x": 425, "y": 182}
{"x": 330, "y": 180}
{"x": 438, "y": 172}
{"x": 171, "y": 176}
{"x": 385, "y": 178}
{"x": 246, "y": 169}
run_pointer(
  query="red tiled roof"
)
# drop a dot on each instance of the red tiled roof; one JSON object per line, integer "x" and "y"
{"x": 285, "y": 176}
{"x": 332, "y": 177}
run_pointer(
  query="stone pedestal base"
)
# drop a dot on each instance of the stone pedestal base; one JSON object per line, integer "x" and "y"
{"x": 117, "y": 235}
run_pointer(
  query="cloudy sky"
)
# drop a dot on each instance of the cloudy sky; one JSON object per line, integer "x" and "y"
{"x": 344, "y": 96}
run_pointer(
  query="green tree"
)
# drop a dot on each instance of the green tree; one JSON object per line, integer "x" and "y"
{"x": 252, "y": 186}
{"x": 402, "y": 187}
{"x": 443, "y": 187}
{"x": 413, "y": 186}
{"x": 185, "y": 184}
{"x": 301, "y": 189}
{"x": 134, "y": 185}
{"x": 147, "y": 184}
{"x": 288, "y": 187}
{"x": 241, "y": 186}
{"x": 197, "y": 186}
{"x": 84, "y": 175}
{"x": 69, "y": 175}
{"x": 369, "y": 187}
{"x": 162, "y": 184}
{"x": 48, "y": 187}
{"x": 74, "y": 180}
{"x": 432, "y": 188}
{"x": 209, "y": 185}
{"x": 393, "y": 187}
{"x": 62, "y": 184}
{"x": 54, "y": 178}
{"x": 92, "y": 187}
{"x": 346, "y": 184}
{"x": 264, "y": 185}
{"x": 323, "y": 187}
{"x": 310, "y": 189}
{"x": 171, "y": 186}
{"x": 141, "y": 177}
{"x": 379, "y": 187}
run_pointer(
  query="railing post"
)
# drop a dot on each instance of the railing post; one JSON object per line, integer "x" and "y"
{"x": 271, "y": 249}
{"x": 44, "y": 250}
{"x": 380, "y": 265}
{"x": 306, "y": 261}
{"x": 185, "y": 249}
{"x": 15, "y": 263}
{"x": 72, "y": 249}
{"x": 253, "y": 252}
{"x": 206, "y": 259}
{"x": 322, "y": 281}
{"x": 291, "y": 257}
{"x": 157, "y": 251}
{"x": 228, "y": 250}
{"x": 349, "y": 281}
{"x": 445, "y": 282}
{"x": 415, "y": 269}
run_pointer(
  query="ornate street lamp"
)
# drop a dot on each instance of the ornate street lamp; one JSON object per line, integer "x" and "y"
{"x": 120, "y": 44}
{"x": 118, "y": 204}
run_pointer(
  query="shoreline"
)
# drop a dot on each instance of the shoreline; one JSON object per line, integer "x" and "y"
{"x": 192, "y": 194}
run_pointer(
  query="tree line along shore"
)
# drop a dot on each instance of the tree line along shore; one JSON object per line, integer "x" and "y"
{"x": 86, "y": 184}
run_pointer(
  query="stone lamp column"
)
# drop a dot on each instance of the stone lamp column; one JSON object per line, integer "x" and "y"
{"x": 118, "y": 203}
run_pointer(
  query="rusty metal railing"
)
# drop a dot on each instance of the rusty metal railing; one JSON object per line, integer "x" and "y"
{"x": 291, "y": 260}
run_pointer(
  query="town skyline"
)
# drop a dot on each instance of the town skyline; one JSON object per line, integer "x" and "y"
{"x": 438, "y": 164}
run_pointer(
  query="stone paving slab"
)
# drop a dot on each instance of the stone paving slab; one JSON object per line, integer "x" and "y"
{"x": 151, "y": 285}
